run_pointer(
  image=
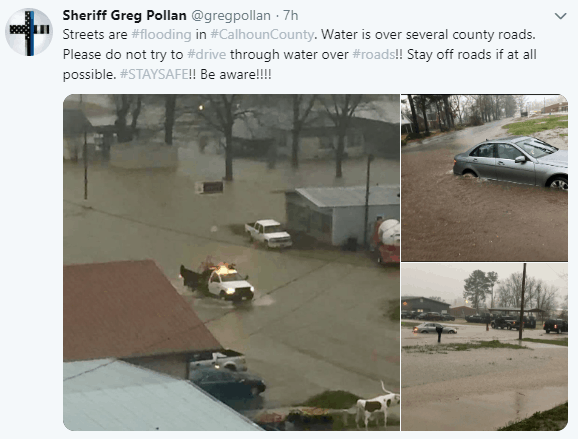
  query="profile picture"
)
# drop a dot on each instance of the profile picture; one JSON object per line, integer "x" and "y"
{"x": 29, "y": 32}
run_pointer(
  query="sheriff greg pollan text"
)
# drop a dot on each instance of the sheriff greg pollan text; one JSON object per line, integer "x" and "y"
{"x": 166, "y": 15}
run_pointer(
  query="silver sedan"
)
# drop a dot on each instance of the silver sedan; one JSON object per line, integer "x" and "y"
{"x": 516, "y": 159}
{"x": 426, "y": 328}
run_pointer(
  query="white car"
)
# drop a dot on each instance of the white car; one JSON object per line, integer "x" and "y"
{"x": 269, "y": 232}
{"x": 426, "y": 328}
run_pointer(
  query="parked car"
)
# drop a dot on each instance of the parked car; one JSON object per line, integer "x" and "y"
{"x": 405, "y": 315}
{"x": 421, "y": 316}
{"x": 426, "y": 328}
{"x": 227, "y": 385}
{"x": 479, "y": 318}
{"x": 503, "y": 322}
{"x": 556, "y": 325}
{"x": 435, "y": 316}
{"x": 226, "y": 359}
{"x": 516, "y": 159}
{"x": 529, "y": 322}
{"x": 448, "y": 317}
{"x": 269, "y": 232}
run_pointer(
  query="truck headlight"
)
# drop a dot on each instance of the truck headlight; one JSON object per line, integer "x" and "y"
{"x": 230, "y": 290}
{"x": 252, "y": 289}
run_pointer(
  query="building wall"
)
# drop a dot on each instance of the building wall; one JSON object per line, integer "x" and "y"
{"x": 348, "y": 221}
{"x": 175, "y": 365}
{"x": 424, "y": 305}
{"x": 461, "y": 311}
{"x": 304, "y": 216}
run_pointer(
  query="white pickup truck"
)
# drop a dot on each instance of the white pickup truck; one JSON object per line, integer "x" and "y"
{"x": 269, "y": 232}
{"x": 225, "y": 359}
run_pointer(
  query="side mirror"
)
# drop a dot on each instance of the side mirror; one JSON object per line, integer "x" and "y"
{"x": 521, "y": 159}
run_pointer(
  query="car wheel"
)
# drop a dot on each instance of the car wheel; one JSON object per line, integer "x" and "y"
{"x": 255, "y": 391}
{"x": 231, "y": 367}
{"x": 559, "y": 183}
{"x": 223, "y": 295}
{"x": 547, "y": 331}
{"x": 451, "y": 332}
{"x": 470, "y": 172}
{"x": 424, "y": 332}
{"x": 493, "y": 326}
{"x": 508, "y": 327}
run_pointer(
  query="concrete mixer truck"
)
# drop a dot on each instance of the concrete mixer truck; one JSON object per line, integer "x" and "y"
{"x": 387, "y": 241}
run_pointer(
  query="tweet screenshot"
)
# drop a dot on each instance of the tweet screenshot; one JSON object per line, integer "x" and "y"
{"x": 217, "y": 244}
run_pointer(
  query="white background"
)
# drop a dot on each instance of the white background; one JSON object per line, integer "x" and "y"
{"x": 33, "y": 92}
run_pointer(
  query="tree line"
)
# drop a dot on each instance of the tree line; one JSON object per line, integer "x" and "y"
{"x": 219, "y": 112}
{"x": 479, "y": 286}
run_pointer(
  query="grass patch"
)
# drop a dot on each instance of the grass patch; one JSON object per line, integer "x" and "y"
{"x": 529, "y": 127}
{"x": 460, "y": 347}
{"x": 331, "y": 399}
{"x": 564, "y": 135}
{"x": 558, "y": 341}
{"x": 551, "y": 420}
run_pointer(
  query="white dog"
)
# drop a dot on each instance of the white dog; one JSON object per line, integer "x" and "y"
{"x": 366, "y": 408}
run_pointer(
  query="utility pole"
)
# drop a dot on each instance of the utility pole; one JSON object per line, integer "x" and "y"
{"x": 369, "y": 159}
{"x": 522, "y": 308}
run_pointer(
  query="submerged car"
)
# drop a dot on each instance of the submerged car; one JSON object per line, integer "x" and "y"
{"x": 426, "y": 328}
{"x": 516, "y": 159}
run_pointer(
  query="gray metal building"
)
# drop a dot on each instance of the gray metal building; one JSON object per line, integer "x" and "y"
{"x": 423, "y": 304}
{"x": 336, "y": 214}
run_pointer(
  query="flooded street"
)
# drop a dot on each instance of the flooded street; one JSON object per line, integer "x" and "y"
{"x": 317, "y": 322}
{"x": 452, "y": 218}
{"x": 480, "y": 389}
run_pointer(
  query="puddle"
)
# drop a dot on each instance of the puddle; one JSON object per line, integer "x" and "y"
{"x": 480, "y": 412}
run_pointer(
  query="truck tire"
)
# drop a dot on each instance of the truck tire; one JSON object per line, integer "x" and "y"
{"x": 547, "y": 331}
{"x": 509, "y": 328}
{"x": 493, "y": 325}
{"x": 223, "y": 295}
{"x": 231, "y": 367}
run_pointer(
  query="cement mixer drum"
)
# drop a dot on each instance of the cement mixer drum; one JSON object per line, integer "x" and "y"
{"x": 389, "y": 232}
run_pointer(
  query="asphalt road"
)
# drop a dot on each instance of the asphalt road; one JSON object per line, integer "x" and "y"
{"x": 481, "y": 389}
{"x": 452, "y": 218}
{"x": 317, "y": 322}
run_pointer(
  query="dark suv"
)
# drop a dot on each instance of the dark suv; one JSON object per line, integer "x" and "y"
{"x": 502, "y": 322}
{"x": 447, "y": 317}
{"x": 434, "y": 316}
{"x": 556, "y": 325}
{"x": 529, "y": 322}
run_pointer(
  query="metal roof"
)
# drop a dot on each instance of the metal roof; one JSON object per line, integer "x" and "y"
{"x": 109, "y": 395}
{"x": 127, "y": 309}
{"x": 351, "y": 196}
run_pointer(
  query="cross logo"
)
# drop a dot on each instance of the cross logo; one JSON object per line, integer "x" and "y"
{"x": 29, "y": 32}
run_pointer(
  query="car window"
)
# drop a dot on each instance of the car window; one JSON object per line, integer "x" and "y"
{"x": 507, "y": 152}
{"x": 536, "y": 148}
{"x": 484, "y": 151}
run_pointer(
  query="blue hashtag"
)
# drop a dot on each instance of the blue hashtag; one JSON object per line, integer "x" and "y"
{"x": 191, "y": 53}
{"x": 123, "y": 73}
{"x": 215, "y": 33}
{"x": 135, "y": 33}
{"x": 356, "y": 53}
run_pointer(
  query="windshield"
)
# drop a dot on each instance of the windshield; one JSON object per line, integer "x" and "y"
{"x": 273, "y": 229}
{"x": 536, "y": 148}
{"x": 230, "y": 277}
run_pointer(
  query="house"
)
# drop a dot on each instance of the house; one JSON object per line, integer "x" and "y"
{"x": 129, "y": 310}
{"x": 336, "y": 214}
{"x": 76, "y": 131}
{"x": 556, "y": 108}
{"x": 423, "y": 304}
{"x": 112, "y": 395}
{"x": 461, "y": 311}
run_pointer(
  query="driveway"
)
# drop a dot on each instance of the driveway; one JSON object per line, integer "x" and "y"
{"x": 453, "y": 218}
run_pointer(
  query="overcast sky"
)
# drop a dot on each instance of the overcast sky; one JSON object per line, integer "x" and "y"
{"x": 446, "y": 280}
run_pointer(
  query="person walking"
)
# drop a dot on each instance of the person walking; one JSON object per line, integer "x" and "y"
{"x": 439, "y": 329}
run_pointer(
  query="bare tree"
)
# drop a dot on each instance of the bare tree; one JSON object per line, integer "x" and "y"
{"x": 413, "y": 113}
{"x": 220, "y": 112}
{"x": 125, "y": 105}
{"x": 340, "y": 109}
{"x": 302, "y": 106}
